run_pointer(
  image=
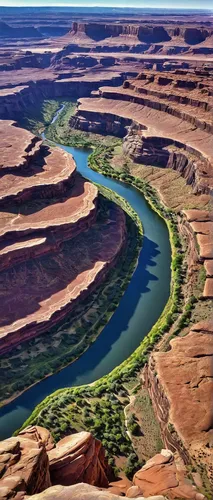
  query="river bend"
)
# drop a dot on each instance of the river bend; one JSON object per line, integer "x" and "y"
{"x": 138, "y": 310}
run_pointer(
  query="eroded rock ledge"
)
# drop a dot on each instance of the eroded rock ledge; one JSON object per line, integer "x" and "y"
{"x": 30, "y": 463}
{"x": 180, "y": 383}
{"x": 171, "y": 122}
{"x": 53, "y": 248}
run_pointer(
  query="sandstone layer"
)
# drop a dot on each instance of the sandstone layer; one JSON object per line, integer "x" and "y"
{"x": 183, "y": 386}
{"x": 31, "y": 462}
{"x": 165, "y": 117}
{"x": 166, "y": 121}
{"x": 53, "y": 251}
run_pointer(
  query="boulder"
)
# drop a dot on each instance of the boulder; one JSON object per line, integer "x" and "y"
{"x": 79, "y": 458}
{"x": 161, "y": 476}
{"x": 40, "y": 435}
{"x": 81, "y": 492}
{"x": 24, "y": 466}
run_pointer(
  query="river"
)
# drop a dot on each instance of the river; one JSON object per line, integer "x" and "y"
{"x": 138, "y": 310}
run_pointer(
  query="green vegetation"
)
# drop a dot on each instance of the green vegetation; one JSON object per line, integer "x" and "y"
{"x": 143, "y": 426}
{"x": 37, "y": 118}
{"x": 116, "y": 380}
{"x": 41, "y": 356}
{"x": 62, "y": 133}
{"x": 133, "y": 426}
{"x": 72, "y": 409}
{"x": 201, "y": 280}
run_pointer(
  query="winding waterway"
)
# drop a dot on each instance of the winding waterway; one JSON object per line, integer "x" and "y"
{"x": 139, "y": 308}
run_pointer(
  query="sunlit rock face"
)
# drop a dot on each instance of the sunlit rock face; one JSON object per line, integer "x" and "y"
{"x": 53, "y": 251}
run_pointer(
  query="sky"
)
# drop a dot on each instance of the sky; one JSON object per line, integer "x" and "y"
{"x": 187, "y": 4}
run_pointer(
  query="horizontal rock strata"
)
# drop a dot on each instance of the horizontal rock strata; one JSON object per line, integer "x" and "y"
{"x": 78, "y": 463}
{"x": 201, "y": 223}
{"x": 171, "y": 121}
{"x": 183, "y": 386}
{"x": 53, "y": 251}
{"x": 31, "y": 462}
{"x": 78, "y": 458}
{"x": 166, "y": 121}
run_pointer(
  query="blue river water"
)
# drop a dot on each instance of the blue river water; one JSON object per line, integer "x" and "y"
{"x": 138, "y": 310}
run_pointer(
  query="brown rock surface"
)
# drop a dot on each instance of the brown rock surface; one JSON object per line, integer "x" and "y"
{"x": 185, "y": 377}
{"x": 157, "y": 123}
{"x": 79, "y": 458}
{"x": 39, "y": 300}
{"x": 53, "y": 172}
{"x": 24, "y": 466}
{"x": 16, "y": 139}
{"x": 39, "y": 434}
{"x": 121, "y": 486}
{"x": 160, "y": 475}
{"x": 209, "y": 268}
{"x": 208, "y": 288}
{"x": 45, "y": 203}
{"x": 82, "y": 491}
{"x": 78, "y": 204}
{"x": 201, "y": 223}
{"x": 198, "y": 215}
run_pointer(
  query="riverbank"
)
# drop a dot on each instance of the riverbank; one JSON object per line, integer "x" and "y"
{"x": 50, "y": 414}
{"x": 38, "y": 358}
{"x": 130, "y": 365}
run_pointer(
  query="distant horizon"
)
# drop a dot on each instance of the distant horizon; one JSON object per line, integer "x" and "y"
{"x": 186, "y": 5}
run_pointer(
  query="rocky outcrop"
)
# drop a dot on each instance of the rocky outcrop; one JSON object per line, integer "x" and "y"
{"x": 201, "y": 223}
{"x": 161, "y": 131}
{"x": 77, "y": 462}
{"x": 55, "y": 283}
{"x": 79, "y": 458}
{"x": 46, "y": 212}
{"x": 161, "y": 475}
{"x": 101, "y": 31}
{"x": 84, "y": 491}
{"x": 187, "y": 391}
{"x": 149, "y": 33}
{"x": 101, "y": 124}
{"x": 24, "y": 467}
{"x": 40, "y": 435}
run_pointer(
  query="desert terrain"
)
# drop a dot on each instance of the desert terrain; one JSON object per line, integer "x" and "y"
{"x": 103, "y": 114}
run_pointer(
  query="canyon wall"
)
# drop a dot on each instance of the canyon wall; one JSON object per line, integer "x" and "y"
{"x": 34, "y": 466}
{"x": 47, "y": 211}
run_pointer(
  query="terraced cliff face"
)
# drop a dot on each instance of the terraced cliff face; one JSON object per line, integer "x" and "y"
{"x": 147, "y": 33}
{"x": 167, "y": 124}
{"x": 180, "y": 382}
{"x": 53, "y": 251}
{"x": 172, "y": 117}
{"x": 31, "y": 464}
{"x": 92, "y": 53}
{"x": 150, "y": 37}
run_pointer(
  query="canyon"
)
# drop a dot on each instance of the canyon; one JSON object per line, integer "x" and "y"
{"x": 145, "y": 81}
{"x": 40, "y": 221}
{"x": 31, "y": 464}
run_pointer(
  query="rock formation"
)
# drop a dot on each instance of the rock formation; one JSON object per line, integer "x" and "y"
{"x": 47, "y": 211}
{"x": 24, "y": 467}
{"x": 180, "y": 382}
{"x": 160, "y": 122}
{"x": 166, "y": 121}
{"x": 161, "y": 475}
{"x": 79, "y": 460}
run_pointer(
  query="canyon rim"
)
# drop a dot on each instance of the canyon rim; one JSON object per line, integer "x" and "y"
{"x": 106, "y": 253}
